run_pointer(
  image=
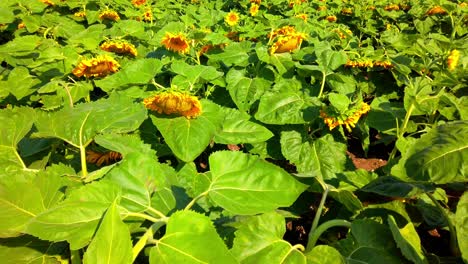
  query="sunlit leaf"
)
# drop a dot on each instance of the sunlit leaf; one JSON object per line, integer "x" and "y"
{"x": 408, "y": 241}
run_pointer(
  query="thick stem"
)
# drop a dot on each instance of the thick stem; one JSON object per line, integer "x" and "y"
{"x": 453, "y": 234}
{"x": 147, "y": 236}
{"x": 84, "y": 168}
{"x": 75, "y": 257}
{"x": 156, "y": 212}
{"x": 323, "y": 84}
{"x": 147, "y": 217}
{"x": 402, "y": 131}
{"x": 315, "y": 235}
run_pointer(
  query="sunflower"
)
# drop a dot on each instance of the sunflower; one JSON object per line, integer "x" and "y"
{"x": 109, "y": 15}
{"x": 346, "y": 11}
{"x": 99, "y": 158}
{"x": 302, "y": 16}
{"x": 177, "y": 43}
{"x": 120, "y": 47}
{"x": 452, "y": 60}
{"x": 321, "y": 8}
{"x": 232, "y": 18}
{"x": 148, "y": 15}
{"x": 96, "y": 67}
{"x": 392, "y": 7}
{"x": 286, "y": 39}
{"x": 436, "y": 10}
{"x": 349, "y": 120}
{"x": 48, "y": 2}
{"x": 385, "y": 64}
{"x": 331, "y": 18}
{"x": 138, "y": 2}
{"x": 80, "y": 14}
{"x": 256, "y": 1}
{"x": 21, "y": 25}
{"x": 253, "y": 9}
{"x": 178, "y": 103}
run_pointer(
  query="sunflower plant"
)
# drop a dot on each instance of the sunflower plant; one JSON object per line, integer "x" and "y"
{"x": 250, "y": 131}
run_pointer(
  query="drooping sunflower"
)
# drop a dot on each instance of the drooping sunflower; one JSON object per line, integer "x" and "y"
{"x": 232, "y": 18}
{"x": 452, "y": 59}
{"x": 109, "y": 15}
{"x": 138, "y": 2}
{"x": 96, "y": 67}
{"x": 48, "y": 2}
{"x": 392, "y": 7}
{"x": 302, "y": 16}
{"x": 331, "y": 18}
{"x": 99, "y": 158}
{"x": 436, "y": 10}
{"x": 349, "y": 120}
{"x": 80, "y": 14}
{"x": 172, "y": 102}
{"x": 253, "y": 9}
{"x": 120, "y": 47}
{"x": 286, "y": 39}
{"x": 177, "y": 43}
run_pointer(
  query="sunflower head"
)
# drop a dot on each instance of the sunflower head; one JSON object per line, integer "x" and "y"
{"x": 253, "y": 9}
{"x": 349, "y": 119}
{"x": 452, "y": 59}
{"x": 302, "y": 16}
{"x": 96, "y": 67}
{"x": 47, "y": 2}
{"x": 286, "y": 39}
{"x": 80, "y": 14}
{"x": 171, "y": 102}
{"x": 120, "y": 47}
{"x": 148, "y": 15}
{"x": 176, "y": 42}
{"x": 331, "y": 18}
{"x": 109, "y": 15}
{"x": 232, "y": 18}
{"x": 436, "y": 10}
{"x": 392, "y": 7}
{"x": 138, "y": 2}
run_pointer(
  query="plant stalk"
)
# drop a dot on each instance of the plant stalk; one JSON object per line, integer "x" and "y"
{"x": 321, "y": 205}
{"x": 148, "y": 235}
{"x": 194, "y": 200}
{"x": 315, "y": 235}
{"x": 453, "y": 235}
{"x": 322, "y": 86}
{"x": 75, "y": 257}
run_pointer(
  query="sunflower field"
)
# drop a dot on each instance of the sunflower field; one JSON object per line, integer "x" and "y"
{"x": 234, "y": 131}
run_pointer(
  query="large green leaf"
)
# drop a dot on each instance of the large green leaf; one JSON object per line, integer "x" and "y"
{"x": 124, "y": 144}
{"x": 77, "y": 217}
{"x": 138, "y": 176}
{"x": 370, "y": 242}
{"x": 408, "y": 241}
{"x": 323, "y": 158}
{"x": 245, "y": 91}
{"x": 419, "y": 94}
{"x": 461, "y": 223}
{"x": 281, "y": 108}
{"x": 140, "y": 71}
{"x": 323, "y": 254}
{"x": 245, "y": 184}
{"x": 237, "y": 129}
{"x": 188, "y": 138}
{"x": 440, "y": 155}
{"x": 28, "y": 249}
{"x": 259, "y": 239}
{"x": 112, "y": 242}
{"x": 329, "y": 60}
{"x": 190, "y": 76}
{"x": 117, "y": 114}
{"x": 385, "y": 115}
{"x": 233, "y": 54}
{"x": 20, "y": 82}
{"x": 190, "y": 238}
{"x": 16, "y": 123}
{"x": 394, "y": 187}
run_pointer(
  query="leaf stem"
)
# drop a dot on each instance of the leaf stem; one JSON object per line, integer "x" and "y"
{"x": 147, "y": 217}
{"x": 156, "y": 212}
{"x": 194, "y": 200}
{"x": 84, "y": 168}
{"x": 75, "y": 257}
{"x": 147, "y": 236}
{"x": 321, "y": 205}
{"x": 402, "y": 130}
{"x": 322, "y": 86}
{"x": 315, "y": 235}
{"x": 453, "y": 234}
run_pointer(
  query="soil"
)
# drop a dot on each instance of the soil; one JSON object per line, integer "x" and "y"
{"x": 368, "y": 164}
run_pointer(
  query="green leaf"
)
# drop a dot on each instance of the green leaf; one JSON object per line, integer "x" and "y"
{"x": 28, "y": 249}
{"x": 330, "y": 60}
{"x": 245, "y": 184}
{"x": 233, "y": 54}
{"x": 21, "y": 45}
{"x": 259, "y": 239}
{"x": 322, "y": 158}
{"x": 188, "y": 138}
{"x": 281, "y": 108}
{"x": 245, "y": 91}
{"x": 347, "y": 198}
{"x": 342, "y": 84}
{"x": 323, "y": 254}
{"x": 190, "y": 238}
{"x": 19, "y": 202}
{"x": 237, "y": 129}
{"x": 124, "y": 144}
{"x": 163, "y": 200}
{"x": 440, "y": 155}
{"x": 140, "y": 71}
{"x": 20, "y": 82}
{"x": 385, "y": 115}
{"x": 112, "y": 242}
{"x": 408, "y": 241}
{"x": 77, "y": 217}
{"x": 117, "y": 114}
{"x": 394, "y": 187}
{"x": 339, "y": 101}
{"x": 419, "y": 94}
{"x": 191, "y": 75}
{"x": 6, "y": 15}
{"x": 461, "y": 224}
{"x": 90, "y": 37}
{"x": 370, "y": 242}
